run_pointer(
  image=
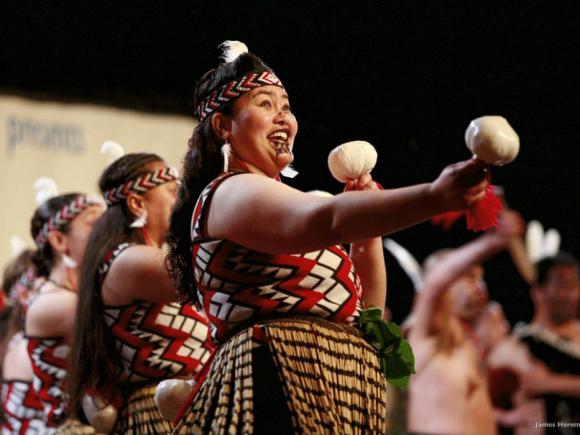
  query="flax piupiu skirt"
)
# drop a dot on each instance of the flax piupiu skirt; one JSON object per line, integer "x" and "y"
{"x": 291, "y": 375}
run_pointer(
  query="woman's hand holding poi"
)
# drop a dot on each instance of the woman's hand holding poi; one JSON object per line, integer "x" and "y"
{"x": 461, "y": 185}
{"x": 364, "y": 182}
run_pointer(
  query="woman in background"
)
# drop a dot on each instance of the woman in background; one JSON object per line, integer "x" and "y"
{"x": 60, "y": 227}
{"x": 131, "y": 332}
{"x": 22, "y": 411}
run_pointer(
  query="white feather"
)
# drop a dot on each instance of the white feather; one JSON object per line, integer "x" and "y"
{"x": 534, "y": 240}
{"x": 46, "y": 188}
{"x": 17, "y": 245}
{"x": 231, "y": 50}
{"x": 551, "y": 243}
{"x": 407, "y": 262}
{"x": 112, "y": 150}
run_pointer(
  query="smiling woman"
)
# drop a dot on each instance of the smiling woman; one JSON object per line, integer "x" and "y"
{"x": 266, "y": 263}
{"x": 263, "y": 133}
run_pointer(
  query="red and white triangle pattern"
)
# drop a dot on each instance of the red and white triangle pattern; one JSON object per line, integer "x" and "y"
{"x": 238, "y": 285}
{"x": 159, "y": 341}
{"x": 48, "y": 356}
{"x": 23, "y": 411}
{"x": 65, "y": 215}
{"x": 141, "y": 184}
{"x": 234, "y": 89}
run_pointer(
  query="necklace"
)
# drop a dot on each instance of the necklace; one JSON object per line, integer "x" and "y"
{"x": 63, "y": 286}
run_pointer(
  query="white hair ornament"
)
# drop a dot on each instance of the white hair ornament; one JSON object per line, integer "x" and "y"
{"x": 231, "y": 50}
{"x": 541, "y": 244}
{"x": 17, "y": 246}
{"x": 112, "y": 150}
{"x": 46, "y": 188}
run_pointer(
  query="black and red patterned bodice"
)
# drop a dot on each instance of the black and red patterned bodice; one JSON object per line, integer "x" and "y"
{"x": 48, "y": 356}
{"x": 240, "y": 286}
{"x": 23, "y": 411}
{"x": 157, "y": 341}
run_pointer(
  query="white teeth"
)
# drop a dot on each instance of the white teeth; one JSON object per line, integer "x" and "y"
{"x": 281, "y": 135}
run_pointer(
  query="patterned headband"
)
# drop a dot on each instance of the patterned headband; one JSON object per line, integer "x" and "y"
{"x": 140, "y": 184}
{"x": 233, "y": 90}
{"x": 23, "y": 285}
{"x": 65, "y": 215}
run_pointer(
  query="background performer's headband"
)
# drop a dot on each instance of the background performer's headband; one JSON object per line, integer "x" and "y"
{"x": 141, "y": 184}
{"x": 65, "y": 215}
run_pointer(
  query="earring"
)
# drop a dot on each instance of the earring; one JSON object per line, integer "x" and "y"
{"x": 69, "y": 262}
{"x": 141, "y": 221}
{"x": 226, "y": 152}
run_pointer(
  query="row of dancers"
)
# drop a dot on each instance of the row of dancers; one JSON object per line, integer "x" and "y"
{"x": 223, "y": 301}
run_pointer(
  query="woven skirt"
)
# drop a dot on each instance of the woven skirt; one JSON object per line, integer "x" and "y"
{"x": 140, "y": 414}
{"x": 72, "y": 426}
{"x": 294, "y": 375}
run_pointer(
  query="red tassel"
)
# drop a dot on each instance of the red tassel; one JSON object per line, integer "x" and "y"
{"x": 484, "y": 214}
{"x": 480, "y": 217}
{"x": 446, "y": 220}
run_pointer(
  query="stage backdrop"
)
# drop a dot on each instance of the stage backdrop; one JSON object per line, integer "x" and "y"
{"x": 63, "y": 141}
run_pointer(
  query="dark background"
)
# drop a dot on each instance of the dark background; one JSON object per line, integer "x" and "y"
{"x": 407, "y": 76}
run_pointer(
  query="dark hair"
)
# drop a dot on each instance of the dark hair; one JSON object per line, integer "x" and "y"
{"x": 544, "y": 266}
{"x": 94, "y": 360}
{"x": 12, "y": 318}
{"x": 201, "y": 164}
{"x": 44, "y": 257}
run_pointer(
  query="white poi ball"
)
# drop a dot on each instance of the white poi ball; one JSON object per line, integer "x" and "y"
{"x": 352, "y": 160}
{"x": 492, "y": 140}
{"x": 101, "y": 416}
{"x": 170, "y": 395}
{"x": 321, "y": 193}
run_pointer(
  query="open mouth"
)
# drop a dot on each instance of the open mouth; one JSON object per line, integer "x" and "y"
{"x": 279, "y": 141}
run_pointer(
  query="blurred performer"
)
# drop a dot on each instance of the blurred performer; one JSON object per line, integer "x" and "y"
{"x": 22, "y": 410}
{"x": 131, "y": 332}
{"x": 60, "y": 227}
{"x": 553, "y": 338}
{"x": 507, "y": 361}
{"x": 448, "y": 393}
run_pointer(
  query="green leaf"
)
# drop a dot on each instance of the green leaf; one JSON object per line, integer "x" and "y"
{"x": 394, "y": 352}
{"x": 393, "y": 328}
{"x": 372, "y": 313}
{"x": 402, "y": 383}
{"x": 406, "y": 353}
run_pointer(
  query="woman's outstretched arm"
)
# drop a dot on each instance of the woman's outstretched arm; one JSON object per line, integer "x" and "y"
{"x": 267, "y": 216}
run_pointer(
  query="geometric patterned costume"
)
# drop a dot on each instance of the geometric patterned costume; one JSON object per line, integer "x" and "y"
{"x": 49, "y": 361}
{"x": 48, "y": 356}
{"x": 156, "y": 341}
{"x": 289, "y": 359}
{"x": 238, "y": 285}
{"x": 23, "y": 411}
